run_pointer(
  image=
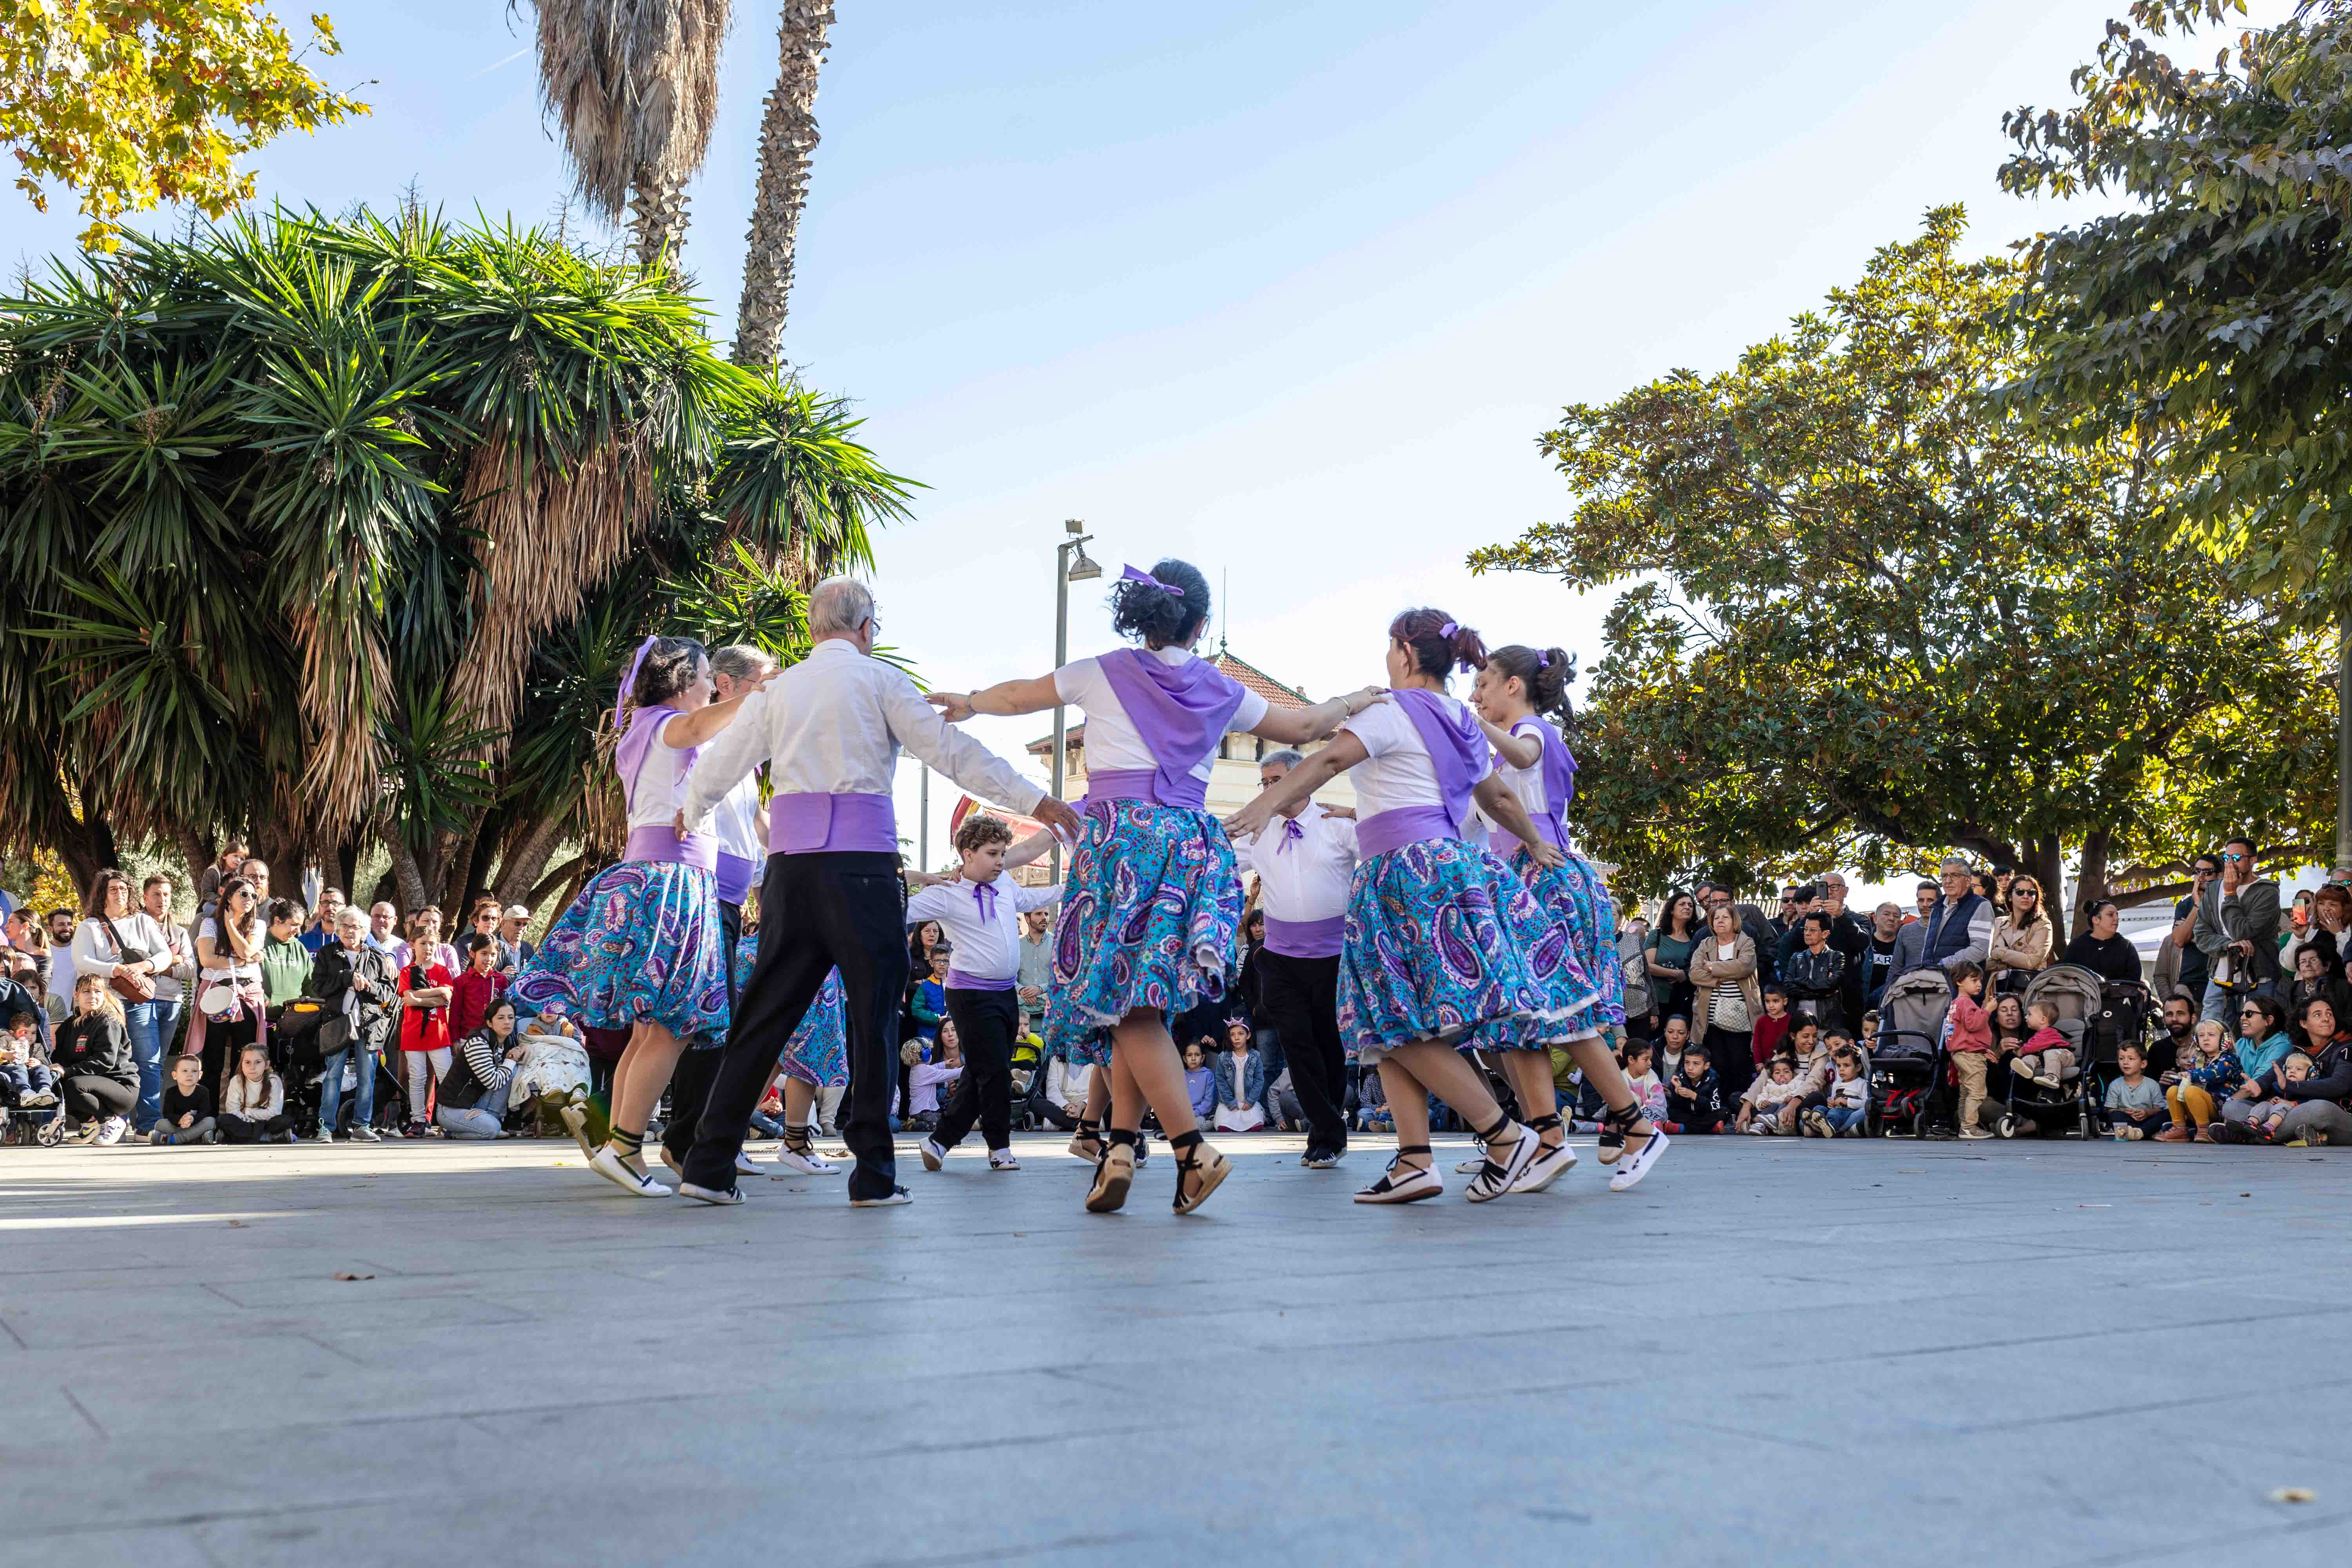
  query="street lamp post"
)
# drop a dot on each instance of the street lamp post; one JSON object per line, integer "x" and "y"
{"x": 1071, "y": 564}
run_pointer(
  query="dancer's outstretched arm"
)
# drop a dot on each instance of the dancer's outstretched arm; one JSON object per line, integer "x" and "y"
{"x": 1005, "y": 699}
{"x": 1344, "y": 752}
{"x": 1519, "y": 750}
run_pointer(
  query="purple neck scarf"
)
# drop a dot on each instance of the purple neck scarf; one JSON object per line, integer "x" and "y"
{"x": 629, "y": 756}
{"x": 1290, "y": 830}
{"x": 1180, "y": 710}
{"x": 984, "y": 895}
{"x": 1455, "y": 744}
{"x": 1559, "y": 778}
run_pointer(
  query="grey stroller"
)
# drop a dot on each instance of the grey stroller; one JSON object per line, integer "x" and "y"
{"x": 1906, "y": 1061}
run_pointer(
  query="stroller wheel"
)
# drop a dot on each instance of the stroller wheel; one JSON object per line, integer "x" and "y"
{"x": 2006, "y": 1127}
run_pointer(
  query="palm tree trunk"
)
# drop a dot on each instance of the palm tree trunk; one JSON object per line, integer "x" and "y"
{"x": 788, "y": 136}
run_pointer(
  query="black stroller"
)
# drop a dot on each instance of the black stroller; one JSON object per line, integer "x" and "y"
{"x": 2072, "y": 993}
{"x": 1907, "y": 1057}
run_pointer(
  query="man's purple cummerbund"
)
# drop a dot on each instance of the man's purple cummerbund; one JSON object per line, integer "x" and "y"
{"x": 959, "y": 981}
{"x": 1143, "y": 783}
{"x": 663, "y": 844}
{"x": 1387, "y": 830}
{"x": 735, "y": 875}
{"x": 1307, "y": 939}
{"x": 809, "y": 823}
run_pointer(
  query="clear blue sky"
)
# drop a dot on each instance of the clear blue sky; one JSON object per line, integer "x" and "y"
{"x": 1289, "y": 290}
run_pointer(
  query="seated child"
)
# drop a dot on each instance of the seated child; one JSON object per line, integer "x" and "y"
{"x": 1778, "y": 1091}
{"x": 1694, "y": 1096}
{"x": 26, "y": 1080}
{"x": 253, "y": 1106}
{"x": 2194, "y": 1093}
{"x": 2135, "y": 1105}
{"x": 1200, "y": 1083}
{"x": 187, "y": 1107}
{"x": 2268, "y": 1113}
{"x": 2047, "y": 1057}
{"x": 1847, "y": 1113}
{"x": 1373, "y": 1103}
{"x": 1647, "y": 1089}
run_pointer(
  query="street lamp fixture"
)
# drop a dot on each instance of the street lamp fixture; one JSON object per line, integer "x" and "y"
{"x": 1071, "y": 564}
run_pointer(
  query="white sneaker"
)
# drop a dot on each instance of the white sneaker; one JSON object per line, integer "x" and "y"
{"x": 898, "y": 1196}
{"x": 611, "y": 1166}
{"x": 791, "y": 1163}
{"x": 326, "y": 1135}
{"x": 1636, "y": 1165}
{"x": 364, "y": 1133}
{"x": 747, "y": 1166}
{"x": 934, "y": 1155}
{"x": 1003, "y": 1160}
{"x": 1546, "y": 1167}
{"x": 112, "y": 1131}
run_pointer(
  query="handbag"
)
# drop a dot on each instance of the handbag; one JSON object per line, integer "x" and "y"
{"x": 139, "y": 987}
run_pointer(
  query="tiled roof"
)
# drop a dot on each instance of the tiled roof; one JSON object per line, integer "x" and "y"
{"x": 1251, "y": 677}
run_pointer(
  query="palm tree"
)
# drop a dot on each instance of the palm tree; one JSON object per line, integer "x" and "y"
{"x": 634, "y": 86}
{"x": 787, "y": 141}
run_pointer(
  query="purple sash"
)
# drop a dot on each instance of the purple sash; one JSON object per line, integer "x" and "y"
{"x": 1179, "y": 712}
{"x": 651, "y": 843}
{"x": 817, "y": 824}
{"x": 959, "y": 981}
{"x": 1457, "y": 750}
{"x": 735, "y": 875}
{"x": 1307, "y": 939}
{"x": 1386, "y": 830}
{"x": 1148, "y": 784}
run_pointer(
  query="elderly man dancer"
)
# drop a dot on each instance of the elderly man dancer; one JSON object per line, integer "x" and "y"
{"x": 830, "y": 730}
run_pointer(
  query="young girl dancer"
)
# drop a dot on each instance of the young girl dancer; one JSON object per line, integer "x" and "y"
{"x": 1446, "y": 952}
{"x": 1514, "y": 694}
{"x": 1152, "y": 908}
{"x": 640, "y": 948}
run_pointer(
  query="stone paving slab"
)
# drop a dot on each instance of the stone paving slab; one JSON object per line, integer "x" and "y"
{"x": 2064, "y": 1354}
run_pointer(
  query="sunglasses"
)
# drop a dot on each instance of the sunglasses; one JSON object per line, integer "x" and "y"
{"x": 2249, "y": 1011}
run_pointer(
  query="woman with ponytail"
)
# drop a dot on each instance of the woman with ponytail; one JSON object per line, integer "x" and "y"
{"x": 640, "y": 949}
{"x": 1522, "y": 702}
{"x": 1446, "y": 951}
{"x": 1152, "y": 909}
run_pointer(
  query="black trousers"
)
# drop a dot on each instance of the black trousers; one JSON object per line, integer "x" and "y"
{"x": 89, "y": 1097}
{"x": 1301, "y": 997}
{"x": 689, "y": 1084}
{"x": 836, "y": 909}
{"x": 985, "y": 1023}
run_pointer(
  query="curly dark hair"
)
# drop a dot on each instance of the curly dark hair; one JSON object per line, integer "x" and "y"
{"x": 1436, "y": 650}
{"x": 1152, "y": 613}
{"x": 669, "y": 667}
{"x": 980, "y": 830}
{"x": 1546, "y": 673}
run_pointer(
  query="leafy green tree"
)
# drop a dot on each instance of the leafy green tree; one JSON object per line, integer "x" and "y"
{"x": 341, "y": 532}
{"x": 136, "y": 102}
{"x": 2213, "y": 308}
{"x": 1868, "y": 619}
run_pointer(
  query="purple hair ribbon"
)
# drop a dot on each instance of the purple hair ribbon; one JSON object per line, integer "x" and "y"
{"x": 1130, "y": 575}
{"x": 621, "y": 698}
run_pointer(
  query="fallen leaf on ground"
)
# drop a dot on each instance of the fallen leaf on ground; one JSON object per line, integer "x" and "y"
{"x": 2294, "y": 1494}
{"x": 238, "y": 1224}
{"x": 354, "y": 1276}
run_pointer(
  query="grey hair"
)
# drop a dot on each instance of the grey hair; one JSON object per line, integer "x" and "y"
{"x": 1289, "y": 757}
{"x": 1955, "y": 863}
{"x": 741, "y": 661}
{"x": 838, "y": 605}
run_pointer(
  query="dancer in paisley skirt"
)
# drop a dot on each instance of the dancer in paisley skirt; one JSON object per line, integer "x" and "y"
{"x": 1446, "y": 952}
{"x": 1514, "y": 693}
{"x": 640, "y": 948}
{"x": 1151, "y": 909}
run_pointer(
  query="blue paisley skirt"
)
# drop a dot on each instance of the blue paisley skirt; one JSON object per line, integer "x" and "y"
{"x": 1444, "y": 943}
{"x": 818, "y": 1052}
{"x": 1579, "y": 894}
{"x": 1151, "y": 917}
{"x": 642, "y": 941}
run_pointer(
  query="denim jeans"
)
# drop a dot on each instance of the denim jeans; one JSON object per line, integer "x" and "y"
{"x": 1844, "y": 1117}
{"x": 2217, "y": 1004}
{"x": 484, "y": 1119}
{"x": 331, "y": 1088}
{"x": 150, "y": 1026}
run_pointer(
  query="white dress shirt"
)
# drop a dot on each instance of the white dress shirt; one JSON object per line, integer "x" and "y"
{"x": 736, "y": 820}
{"x": 1113, "y": 743}
{"x": 833, "y": 725}
{"x": 987, "y": 947}
{"x": 1309, "y": 879}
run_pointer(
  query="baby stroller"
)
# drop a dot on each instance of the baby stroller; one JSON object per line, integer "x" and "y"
{"x": 2128, "y": 1012}
{"x": 2074, "y": 993}
{"x": 1907, "y": 1056}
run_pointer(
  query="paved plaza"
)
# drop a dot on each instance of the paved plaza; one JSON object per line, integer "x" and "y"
{"x": 1884, "y": 1353}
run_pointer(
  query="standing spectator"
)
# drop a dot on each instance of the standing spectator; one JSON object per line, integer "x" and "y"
{"x": 425, "y": 985}
{"x": 1968, "y": 1036}
{"x": 1670, "y": 950}
{"x": 60, "y": 975}
{"x": 228, "y": 979}
{"x": 1751, "y": 921}
{"x": 1633, "y": 957}
{"x": 95, "y": 1075}
{"x": 1850, "y": 936}
{"x": 1796, "y": 903}
{"x": 285, "y": 962}
{"x": 2100, "y": 950}
{"x": 482, "y": 918}
{"x": 1913, "y": 937}
{"x": 119, "y": 944}
{"x": 172, "y": 979}
{"x": 256, "y": 872}
{"x": 2022, "y": 936}
{"x": 1958, "y": 928}
{"x": 1879, "y": 952}
{"x": 1728, "y": 999}
{"x": 1814, "y": 973}
{"x": 384, "y": 934}
{"x": 514, "y": 949}
{"x": 2236, "y": 928}
{"x": 223, "y": 866}
{"x": 323, "y": 930}
{"x": 362, "y": 983}
{"x": 473, "y": 988}
{"x": 1036, "y": 975}
{"x": 2178, "y": 961}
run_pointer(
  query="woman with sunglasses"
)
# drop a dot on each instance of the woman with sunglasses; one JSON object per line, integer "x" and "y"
{"x": 2021, "y": 937}
{"x": 229, "y": 999}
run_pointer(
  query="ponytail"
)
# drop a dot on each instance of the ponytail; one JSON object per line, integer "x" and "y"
{"x": 1440, "y": 645}
{"x": 1546, "y": 674}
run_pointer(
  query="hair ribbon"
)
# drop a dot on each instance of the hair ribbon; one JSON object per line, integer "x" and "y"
{"x": 621, "y": 698}
{"x": 1130, "y": 575}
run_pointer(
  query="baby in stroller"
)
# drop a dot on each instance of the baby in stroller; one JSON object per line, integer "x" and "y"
{"x": 2047, "y": 1059}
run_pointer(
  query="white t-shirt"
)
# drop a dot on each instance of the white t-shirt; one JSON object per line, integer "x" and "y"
{"x": 247, "y": 970}
{"x": 1311, "y": 878}
{"x": 1112, "y": 743}
{"x": 660, "y": 787}
{"x": 1854, "y": 1091}
{"x": 1527, "y": 783}
{"x": 1398, "y": 772}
